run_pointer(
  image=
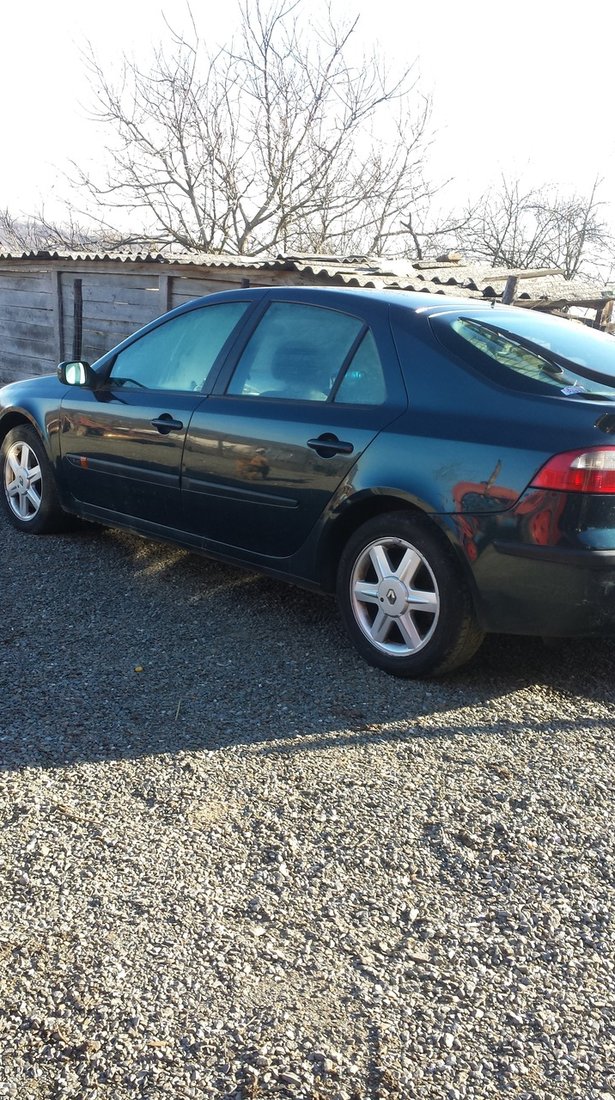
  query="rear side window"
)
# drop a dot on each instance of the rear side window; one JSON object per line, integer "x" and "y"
{"x": 363, "y": 381}
{"x": 309, "y": 353}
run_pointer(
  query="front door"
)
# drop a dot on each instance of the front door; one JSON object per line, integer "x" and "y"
{"x": 122, "y": 443}
{"x": 122, "y": 450}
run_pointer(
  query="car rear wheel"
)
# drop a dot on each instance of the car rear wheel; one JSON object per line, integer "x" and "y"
{"x": 403, "y": 599}
{"x": 29, "y": 496}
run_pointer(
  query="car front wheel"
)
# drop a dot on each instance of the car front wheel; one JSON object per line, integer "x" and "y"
{"x": 403, "y": 599}
{"x": 29, "y": 496}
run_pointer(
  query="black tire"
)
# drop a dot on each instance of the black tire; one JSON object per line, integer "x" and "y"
{"x": 403, "y": 598}
{"x": 32, "y": 503}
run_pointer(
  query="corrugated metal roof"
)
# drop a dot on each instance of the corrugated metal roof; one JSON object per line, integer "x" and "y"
{"x": 472, "y": 280}
{"x": 56, "y": 254}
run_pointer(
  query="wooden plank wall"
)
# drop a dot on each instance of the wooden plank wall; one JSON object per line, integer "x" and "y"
{"x": 37, "y": 306}
{"x": 27, "y": 308}
{"x": 183, "y": 288}
{"x": 114, "y": 306}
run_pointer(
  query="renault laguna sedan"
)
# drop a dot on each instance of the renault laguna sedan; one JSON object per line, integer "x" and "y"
{"x": 446, "y": 467}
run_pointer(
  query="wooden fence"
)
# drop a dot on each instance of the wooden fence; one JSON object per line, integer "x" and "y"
{"x": 49, "y": 314}
{"x": 28, "y": 337}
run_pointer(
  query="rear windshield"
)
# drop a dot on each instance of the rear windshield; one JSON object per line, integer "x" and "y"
{"x": 532, "y": 351}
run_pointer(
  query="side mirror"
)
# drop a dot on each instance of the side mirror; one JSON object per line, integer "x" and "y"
{"x": 75, "y": 374}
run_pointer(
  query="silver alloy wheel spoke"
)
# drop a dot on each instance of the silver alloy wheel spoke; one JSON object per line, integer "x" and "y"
{"x": 381, "y": 626}
{"x": 13, "y": 463}
{"x": 409, "y": 631}
{"x": 380, "y": 561}
{"x": 423, "y": 601}
{"x": 394, "y": 596}
{"x": 365, "y": 591}
{"x": 408, "y": 566}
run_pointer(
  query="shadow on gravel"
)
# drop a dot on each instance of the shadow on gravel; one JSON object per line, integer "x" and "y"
{"x": 112, "y": 647}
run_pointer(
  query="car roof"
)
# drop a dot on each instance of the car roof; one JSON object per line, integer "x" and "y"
{"x": 415, "y": 301}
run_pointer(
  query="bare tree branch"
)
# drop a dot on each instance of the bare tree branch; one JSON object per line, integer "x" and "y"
{"x": 540, "y": 227}
{"x": 278, "y": 141}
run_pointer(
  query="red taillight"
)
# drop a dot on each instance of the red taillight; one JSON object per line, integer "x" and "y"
{"x": 587, "y": 471}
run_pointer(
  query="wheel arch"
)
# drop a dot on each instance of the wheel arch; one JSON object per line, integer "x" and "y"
{"x": 13, "y": 420}
{"x": 49, "y": 515}
{"x": 375, "y": 504}
{"x": 365, "y": 508}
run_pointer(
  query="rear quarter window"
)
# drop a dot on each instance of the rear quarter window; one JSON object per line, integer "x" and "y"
{"x": 561, "y": 360}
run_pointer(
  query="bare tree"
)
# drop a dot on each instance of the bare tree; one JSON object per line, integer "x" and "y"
{"x": 427, "y": 234}
{"x": 509, "y": 227}
{"x": 580, "y": 237}
{"x": 278, "y": 142}
{"x": 38, "y": 233}
{"x": 538, "y": 227}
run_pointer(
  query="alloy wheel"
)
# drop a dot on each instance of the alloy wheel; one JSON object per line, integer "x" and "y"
{"x": 394, "y": 596}
{"x": 23, "y": 481}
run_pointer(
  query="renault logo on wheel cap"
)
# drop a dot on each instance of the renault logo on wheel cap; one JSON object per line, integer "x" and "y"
{"x": 391, "y": 595}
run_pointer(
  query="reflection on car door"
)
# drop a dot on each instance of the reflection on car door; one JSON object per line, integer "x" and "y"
{"x": 256, "y": 482}
{"x": 122, "y": 450}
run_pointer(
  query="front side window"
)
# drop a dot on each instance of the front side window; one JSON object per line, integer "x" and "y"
{"x": 296, "y": 353}
{"x": 179, "y": 354}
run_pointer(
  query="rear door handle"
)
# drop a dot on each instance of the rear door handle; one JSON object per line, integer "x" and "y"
{"x": 165, "y": 424}
{"x": 327, "y": 445}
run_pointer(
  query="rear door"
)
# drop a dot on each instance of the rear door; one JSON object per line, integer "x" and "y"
{"x": 287, "y": 420}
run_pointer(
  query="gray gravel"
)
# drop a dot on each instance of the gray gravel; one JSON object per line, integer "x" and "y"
{"x": 235, "y": 861}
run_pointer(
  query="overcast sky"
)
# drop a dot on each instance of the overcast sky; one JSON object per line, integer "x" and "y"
{"x": 524, "y": 89}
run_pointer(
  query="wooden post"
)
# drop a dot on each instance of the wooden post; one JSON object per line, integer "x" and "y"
{"x": 510, "y": 290}
{"x": 165, "y": 290}
{"x": 77, "y": 319}
{"x": 58, "y": 313}
{"x": 604, "y": 314}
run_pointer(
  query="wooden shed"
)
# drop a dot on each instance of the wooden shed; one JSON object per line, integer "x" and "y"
{"x": 56, "y": 306}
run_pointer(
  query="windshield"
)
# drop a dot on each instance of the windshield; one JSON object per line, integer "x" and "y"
{"x": 530, "y": 350}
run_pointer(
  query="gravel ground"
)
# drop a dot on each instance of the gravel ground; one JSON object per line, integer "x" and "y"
{"x": 235, "y": 861}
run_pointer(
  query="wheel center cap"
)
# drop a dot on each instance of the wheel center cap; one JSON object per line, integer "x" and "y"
{"x": 392, "y": 596}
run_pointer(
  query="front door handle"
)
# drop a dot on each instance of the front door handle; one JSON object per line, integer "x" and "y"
{"x": 328, "y": 445}
{"x": 165, "y": 424}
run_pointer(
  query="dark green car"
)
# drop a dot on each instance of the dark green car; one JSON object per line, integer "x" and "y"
{"x": 447, "y": 468}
